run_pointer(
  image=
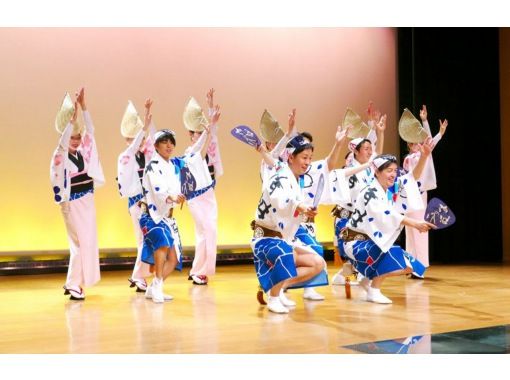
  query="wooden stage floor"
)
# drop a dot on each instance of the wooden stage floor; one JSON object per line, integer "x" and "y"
{"x": 224, "y": 317}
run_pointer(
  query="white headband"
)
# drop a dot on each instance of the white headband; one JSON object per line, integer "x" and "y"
{"x": 354, "y": 143}
{"x": 382, "y": 159}
{"x": 162, "y": 132}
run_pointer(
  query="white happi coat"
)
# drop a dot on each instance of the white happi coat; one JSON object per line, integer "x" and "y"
{"x": 277, "y": 209}
{"x": 380, "y": 217}
{"x": 355, "y": 183}
{"x": 311, "y": 181}
{"x": 127, "y": 167}
{"x": 162, "y": 178}
{"x": 279, "y": 153}
{"x": 61, "y": 167}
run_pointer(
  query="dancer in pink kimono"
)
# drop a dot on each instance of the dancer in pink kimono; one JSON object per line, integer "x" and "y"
{"x": 417, "y": 243}
{"x": 130, "y": 168}
{"x": 75, "y": 171}
{"x": 202, "y": 204}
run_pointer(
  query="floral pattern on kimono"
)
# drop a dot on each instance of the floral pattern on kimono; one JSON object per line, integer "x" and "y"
{"x": 61, "y": 167}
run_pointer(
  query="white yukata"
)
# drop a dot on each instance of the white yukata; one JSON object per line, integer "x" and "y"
{"x": 204, "y": 210}
{"x": 77, "y": 206}
{"x": 417, "y": 244}
{"x": 129, "y": 176}
{"x": 164, "y": 178}
{"x": 379, "y": 214}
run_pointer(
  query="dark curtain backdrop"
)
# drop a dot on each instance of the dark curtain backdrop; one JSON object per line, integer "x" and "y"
{"x": 455, "y": 72}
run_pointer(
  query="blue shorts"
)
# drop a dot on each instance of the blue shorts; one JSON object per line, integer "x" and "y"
{"x": 155, "y": 236}
{"x": 372, "y": 262}
{"x": 274, "y": 261}
{"x": 304, "y": 235}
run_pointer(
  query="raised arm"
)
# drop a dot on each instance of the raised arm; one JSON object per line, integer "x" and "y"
{"x": 214, "y": 120}
{"x": 442, "y": 130}
{"x": 333, "y": 158}
{"x": 211, "y": 109}
{"x": 291, "y": 131}
{"x": 63, "y": 144}
{"x": 380, "y": 127}
{"x": 426, "y": 149}
{"x": 356, "y": 169}
{"x": 210, "y": 101}
{"x": 268, "y": 159}
{"x": 80, "y": 99}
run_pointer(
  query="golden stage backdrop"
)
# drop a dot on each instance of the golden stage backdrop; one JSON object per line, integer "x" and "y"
{"x": 319, "y": 71}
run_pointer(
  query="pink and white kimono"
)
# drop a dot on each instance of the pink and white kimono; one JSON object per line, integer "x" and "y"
{"x": 78, "y": 209}
{"x": 204, "y": 210}
{"x": 129, "y": 177}
{"x": 417, "y": 243}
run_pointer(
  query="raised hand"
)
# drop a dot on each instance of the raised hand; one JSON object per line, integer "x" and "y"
{"x": 210, "y": 98}
{"x": 215, "y": 115}
{"x": 292, "y": 121}
{"x": 427, "y": 146}
{"x": 423, "y": 113}
{"x": 148, "y": 116}
{"x": 341, "y": 134}
{"x": 261, "y": 148}
{"x": 370, "y": 110}
{"x": 80, "y": 98}
{"x": 148, "y": 105}
{"x": 442, "y": 126}
{"x": 376, "y": 116}
{"x": 381, "y": 124}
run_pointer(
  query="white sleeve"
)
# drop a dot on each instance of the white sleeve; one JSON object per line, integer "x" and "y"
{"x": 197, "y": 146}
{"x": 157, "y": 191}
{"x": 338, "y": 187}
{"x": 426, "y": 126}
{"x": 408, "y": 197}
{"x": 88, "y": 122}
{"x": 59, "y": 177}
{"x": 280, "y": 146}
{"x": 436, "y": 139}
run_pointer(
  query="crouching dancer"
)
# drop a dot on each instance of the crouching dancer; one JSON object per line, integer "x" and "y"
{"x": 377, "y": 221}
{"x": 279, "y": 214}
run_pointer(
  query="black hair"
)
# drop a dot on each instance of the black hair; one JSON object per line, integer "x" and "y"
{"x": 299, "y": 144}
{"x": 168, "y": 135}
{"x": 390, "y": 160}
{"x": 302, "y": 148}
{"x": 307, "y": 135}
{"x": 361, "y": 143}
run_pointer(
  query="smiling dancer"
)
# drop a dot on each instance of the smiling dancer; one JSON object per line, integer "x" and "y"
{"x": 75, "y": 172}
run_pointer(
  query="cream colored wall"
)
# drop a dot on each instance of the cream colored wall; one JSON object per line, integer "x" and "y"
{"x": 504, "y": 68}
{"x": 320, "y": 71}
